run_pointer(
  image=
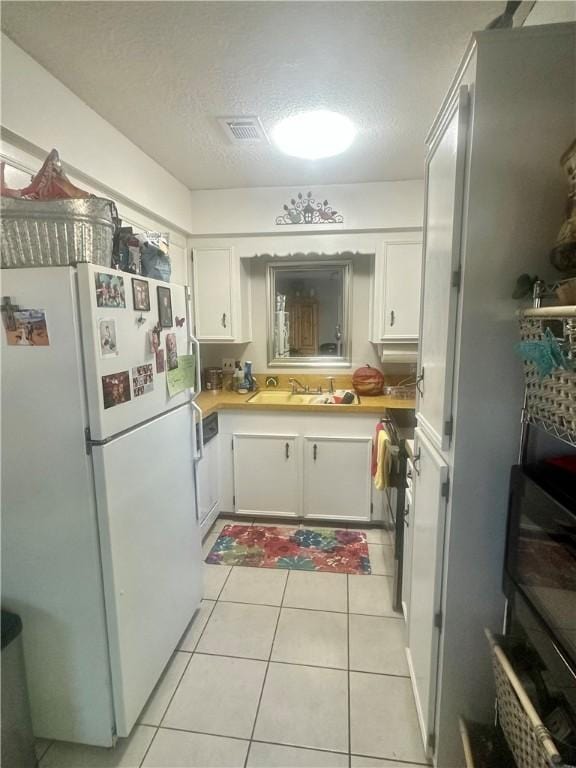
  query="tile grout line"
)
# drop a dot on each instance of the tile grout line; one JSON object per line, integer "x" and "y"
{"x": 41, "y": 758}
{"x": 191, "y": 654}
{"x": 294, "y": 746}
{"x": 157, "y": 728}
{"x": 302, "y": 608}
{"x": 266, "y": 672}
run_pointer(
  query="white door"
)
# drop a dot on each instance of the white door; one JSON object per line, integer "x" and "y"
{"x": 267, "y": 474}
{"x": 428, "y": 519}
{"x": 151, "y": 554}
{"x": 442, "y": 225}
{"x": 132, "y": 364}
{"x": 337, "y": 478}
{"x": 401, "y": 307}
{"x": 214, "y": 293}
{"x": 207, "y": 479}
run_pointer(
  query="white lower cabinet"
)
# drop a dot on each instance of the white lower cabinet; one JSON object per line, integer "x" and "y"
{"x": 337, "y": 482}
{"x": 300, "y": 465}
{"x": 267, "y": 474}
{"x": 428, "y": 521}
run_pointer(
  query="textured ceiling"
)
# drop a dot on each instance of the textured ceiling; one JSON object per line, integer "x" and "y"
{"x": 162, "y": 72}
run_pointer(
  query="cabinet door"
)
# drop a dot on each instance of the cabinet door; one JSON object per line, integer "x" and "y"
{"x": 442, "y": 231}
{"x": 428, "y": 518}
{"x": 267, "y": 474}
{"x": 401, "y": 307}
{"x": 337, "y": 478}
{"x": 213, "y": 271}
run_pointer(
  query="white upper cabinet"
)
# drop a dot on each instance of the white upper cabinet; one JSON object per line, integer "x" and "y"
{"x": 403, "y": 265}
{"x": 397, "y": 292}
{"x": 443, "y": 221}
{"x": 221, "y": 295}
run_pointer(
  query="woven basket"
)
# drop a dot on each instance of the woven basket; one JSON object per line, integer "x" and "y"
{"x": 528, "y": 738}
{"x": 551, "y": 401}
{"x": 36, "y": 233}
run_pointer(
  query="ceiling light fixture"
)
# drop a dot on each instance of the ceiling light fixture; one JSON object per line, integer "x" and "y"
{"x": 313, "y": 135}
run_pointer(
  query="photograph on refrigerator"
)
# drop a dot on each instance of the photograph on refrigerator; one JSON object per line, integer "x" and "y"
{"x": 154, "y": 338}
{"x": 109, "y": 290}
{"x": 164, "y": 307}
{"x": 26, "y": 328}
{"x": 116, "y": 389}
{"x": 142, "y": 379}
{"x": 107, "y": 334}
{"x": 160, "y": 364}
{"x": 140, "y": 295}
{"x": 171, "y": 351}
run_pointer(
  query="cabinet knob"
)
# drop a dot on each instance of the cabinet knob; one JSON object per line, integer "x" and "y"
{"x": 287, "y": 449}
{"x": 392, "y": 318}
{"x": 224, "y": 320}
{"x": 315, "y": 452}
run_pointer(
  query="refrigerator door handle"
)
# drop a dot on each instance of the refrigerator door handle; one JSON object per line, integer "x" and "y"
{"x": 196, "y": 345}
{"x": 199, "y": 448}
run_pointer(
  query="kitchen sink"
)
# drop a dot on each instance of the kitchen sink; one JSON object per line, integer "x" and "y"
{"x": 285, "y": 397}
{"x": 281, "y": 397}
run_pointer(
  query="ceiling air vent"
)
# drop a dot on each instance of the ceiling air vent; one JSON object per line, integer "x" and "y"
{"x": 243, "y": 130}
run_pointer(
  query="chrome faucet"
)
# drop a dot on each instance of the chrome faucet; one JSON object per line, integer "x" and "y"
{"x": 298, "y": 387}
{"x": 295, "y": 384}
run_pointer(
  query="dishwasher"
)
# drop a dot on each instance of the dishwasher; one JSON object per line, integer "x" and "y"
{"x": 207, "y": 475}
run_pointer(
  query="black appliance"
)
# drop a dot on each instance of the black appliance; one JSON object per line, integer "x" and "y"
{"x": 541, "y": 548}
{"x": 400, "y": 424}
{"x": 209, "y": 428}
{"x": 540, "y": 584}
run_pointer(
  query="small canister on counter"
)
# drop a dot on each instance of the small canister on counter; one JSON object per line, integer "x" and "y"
{"x": 213, "y": 379}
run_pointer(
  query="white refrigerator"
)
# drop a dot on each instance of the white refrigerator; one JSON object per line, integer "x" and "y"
{"x": 101, "y": 550}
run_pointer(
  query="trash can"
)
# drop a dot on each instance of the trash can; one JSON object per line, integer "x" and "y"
{"x": 17, "y": 737}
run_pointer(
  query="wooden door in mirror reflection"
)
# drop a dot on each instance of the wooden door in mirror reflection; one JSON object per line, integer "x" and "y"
{"x": 303, "y": 314}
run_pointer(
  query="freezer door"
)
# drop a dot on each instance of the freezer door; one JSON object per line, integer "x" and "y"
{"x": 151, "y": 552}
{"x": 117, "y": 341}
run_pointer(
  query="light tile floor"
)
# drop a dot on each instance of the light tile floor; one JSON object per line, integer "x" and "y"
{"x": 278, "y": 669}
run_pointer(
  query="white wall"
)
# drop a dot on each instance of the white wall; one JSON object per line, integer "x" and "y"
{"x": 551, "y": 12}
{"x": 39, "y": 113}
{"x": 379, "y": 205}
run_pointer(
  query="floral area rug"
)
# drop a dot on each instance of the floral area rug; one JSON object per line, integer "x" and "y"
{"x": 324, "y": 549}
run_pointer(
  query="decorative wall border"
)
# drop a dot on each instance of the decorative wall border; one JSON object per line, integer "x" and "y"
{"x": 305, "y": 209}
